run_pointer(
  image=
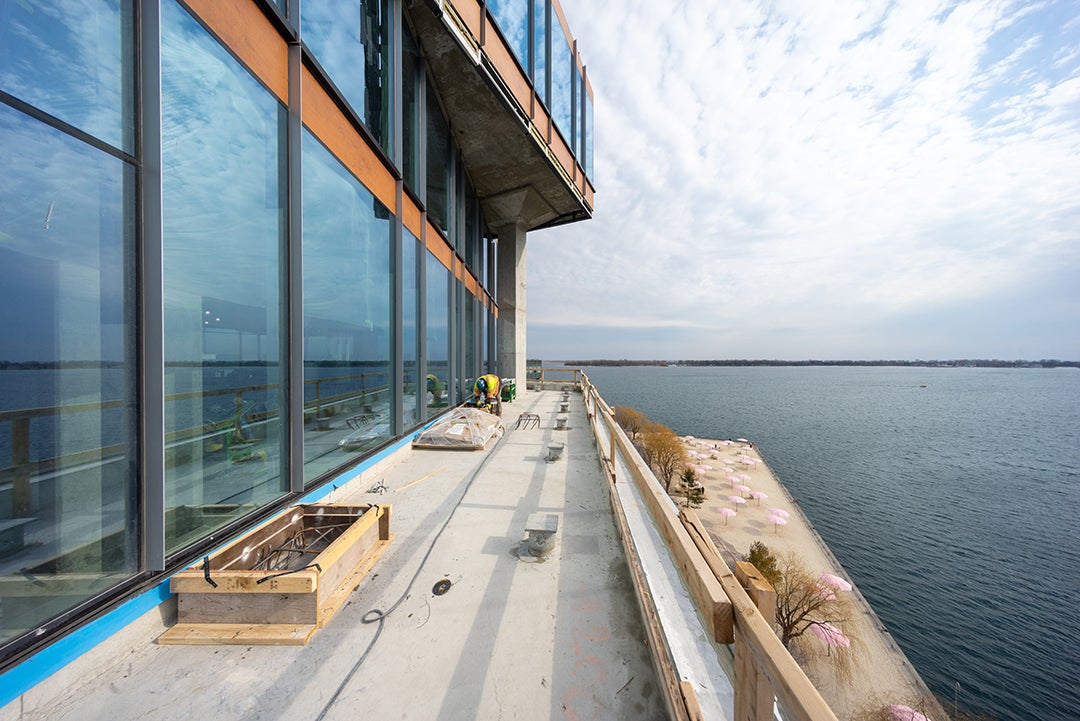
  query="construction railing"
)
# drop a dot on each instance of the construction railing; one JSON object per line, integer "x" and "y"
{"x": 555, "y": 377}
{"x": 737, "y": 608}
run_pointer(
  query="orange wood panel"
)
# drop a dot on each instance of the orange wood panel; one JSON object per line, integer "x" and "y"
{"x": 562, "y": 152}
{"x": 502, "y": 58}
{"x": 253, "y": 38}
{"x": 469, "y": 12}
{"x": 438, "y": 246}
{"x": 323, "y": 117}
{"x": 471, "y": 285}
{"x": 410, "y": 216}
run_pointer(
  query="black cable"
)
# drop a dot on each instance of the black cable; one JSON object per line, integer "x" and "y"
{"x": 378, "y": 615}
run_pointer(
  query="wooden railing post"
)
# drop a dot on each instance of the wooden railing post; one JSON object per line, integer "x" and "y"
{"x": 753, "y": 693}
{"x": 20, "y": 463}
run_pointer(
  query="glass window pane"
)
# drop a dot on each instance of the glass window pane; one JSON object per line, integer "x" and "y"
{"x": 579, "y": 117}
{"x": 438, "y": 163}
{"x": 67, "y": 389}
{"x": 223, "y": 185}
{"x": 588, "y": 162}
{"x": 512, "y": 17}
{"x": 437, "y": 310}
{"x": 562, "y": 73}
{"x": 347, "y": 242}
{"x": 410, "y": 322}
{"x": 72, "y": 59}
{"x": 472, "y": 367}
{"x": 351, "y": 40}
{"x": 410, "y": 106}
{"x": 540, "y": 49}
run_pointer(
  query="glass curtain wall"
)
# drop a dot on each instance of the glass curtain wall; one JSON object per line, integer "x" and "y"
{"x": 438, "y": 163}
{"x": 562, "y": 82}
{"x": 410, "y": 109}
{"x": 413, "y": 389}
{"x": 436, "y": 335}
{"x": 351, "y": 40}
{"x": 541, "y": 31}
{"x": 223, "y": 220}
{"x": 347, "y": 320}
{"x": 512, "y": 16}
{"x": 68, "y": 432}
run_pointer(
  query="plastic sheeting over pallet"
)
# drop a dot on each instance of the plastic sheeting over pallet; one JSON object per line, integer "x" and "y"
{"x": 467, "y": 429}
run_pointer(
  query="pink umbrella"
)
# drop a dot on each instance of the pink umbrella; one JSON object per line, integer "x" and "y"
{"x": 737, "y": 499}
{"x": 758, "y": 495}
{"x": 734, "y": 479}
{"x": 726, "y": 513}
{"x": 741, "y": 488}
{"x": 780, "y": 512}
{"x": 727, "y": 469}
{"x": 830, "y": 634}
{"x": 835, "y": 582}
{"x": 775, "y": 520}
{"x": 899, "y": 712}
{"x": 743, "y": 476}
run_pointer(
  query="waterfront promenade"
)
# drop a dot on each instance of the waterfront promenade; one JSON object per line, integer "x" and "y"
{"x": 877, "y": 671}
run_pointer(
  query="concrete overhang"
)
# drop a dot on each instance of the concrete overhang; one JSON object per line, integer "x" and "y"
{"x": 516, "y": 180}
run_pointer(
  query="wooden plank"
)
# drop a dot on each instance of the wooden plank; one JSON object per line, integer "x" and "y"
{"x": 798, "y": 696}
{"x": 658, "y": 647}
{"x": 193, "y": 581}
{"x": 693, "y": 710}
{"x": 708, "y": 595}
{"x": 333, "y": 602}
{"x": 753, "y": 694}
{"x": 253, "y": 634}
{"x": 290, "y": 608}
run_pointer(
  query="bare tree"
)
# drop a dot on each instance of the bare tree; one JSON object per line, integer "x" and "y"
{"x": 803, "y": 600}
{"x": 664, "y": 451}
{"x": 632, "y": 421}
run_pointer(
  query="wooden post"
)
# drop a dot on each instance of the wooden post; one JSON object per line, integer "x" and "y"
{"x": 753, "y": 693}
{"x": 20, "y": 463}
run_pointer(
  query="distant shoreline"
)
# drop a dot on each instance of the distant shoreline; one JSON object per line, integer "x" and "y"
{"x": 963, "y": 363}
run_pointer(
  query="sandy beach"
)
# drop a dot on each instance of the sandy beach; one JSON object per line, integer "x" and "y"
{"x": 878, "y": 671}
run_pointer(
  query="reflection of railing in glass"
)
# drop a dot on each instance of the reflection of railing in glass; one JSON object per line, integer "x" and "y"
{"x": 227, "y": 434}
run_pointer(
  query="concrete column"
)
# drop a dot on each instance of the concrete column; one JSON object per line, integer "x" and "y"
{"x": 510, "y": 295}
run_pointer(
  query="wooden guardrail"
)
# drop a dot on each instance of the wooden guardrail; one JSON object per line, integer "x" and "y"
{"x": 737, "y": 607}
{"x": 555, "y": 377}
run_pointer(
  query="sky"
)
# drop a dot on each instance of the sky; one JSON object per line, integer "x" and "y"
{"x": 827, "y": 180}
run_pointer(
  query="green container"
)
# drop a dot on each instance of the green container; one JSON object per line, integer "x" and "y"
{"x": 509, "y": 390}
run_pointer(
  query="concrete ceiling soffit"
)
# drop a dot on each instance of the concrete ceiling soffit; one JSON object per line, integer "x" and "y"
{"x": 501, "y": 154}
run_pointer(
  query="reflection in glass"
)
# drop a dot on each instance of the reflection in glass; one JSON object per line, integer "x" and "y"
{"x": 562, "y": 73}
{"x": 512, "y": 17}
{"x": 414, "y": 385}
{"x": 588, "y": 154}
{"x": 438, "y": 163}
{"x": 472, "y": 368}
{"x": 68, "y": 523}
{"x": 410, "y": 110}
{"x": 347, "y": 241}
{"x": 73, "y": 59}
{"x": 223, "y": 222}
{"x": 437, "y": 310}
{"x": 579, "y": 117}
{"x": 541, "y": 28}
{"x": 351, "y": 40}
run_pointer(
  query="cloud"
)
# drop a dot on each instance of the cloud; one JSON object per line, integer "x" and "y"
{"x": 819, "y": 168}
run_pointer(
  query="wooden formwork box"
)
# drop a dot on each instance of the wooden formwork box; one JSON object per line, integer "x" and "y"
{"x": 229, "y": 599}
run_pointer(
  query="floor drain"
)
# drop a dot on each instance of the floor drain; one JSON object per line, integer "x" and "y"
{"x": 441, "y": 587}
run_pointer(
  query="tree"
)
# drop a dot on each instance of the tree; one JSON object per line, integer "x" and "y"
{"x": 631, "y": 420}
{"x": 664, "y": 451}
{"x": 765, "y": 562}
{"x": 691, "y": 489}
{"x": 803, "y": 599}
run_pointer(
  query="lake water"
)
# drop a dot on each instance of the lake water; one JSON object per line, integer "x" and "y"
{"x": 950, "y": 495}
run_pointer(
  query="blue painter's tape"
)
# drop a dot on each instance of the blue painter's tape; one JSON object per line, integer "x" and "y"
{"x": 54, "y": 657}
{"x": 20, "y": 679}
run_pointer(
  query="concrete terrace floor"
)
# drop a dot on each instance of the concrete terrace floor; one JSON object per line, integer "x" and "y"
{"x": 513, "y": 638}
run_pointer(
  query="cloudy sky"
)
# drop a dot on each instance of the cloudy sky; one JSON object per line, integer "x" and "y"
{"x": 822, "y": 180}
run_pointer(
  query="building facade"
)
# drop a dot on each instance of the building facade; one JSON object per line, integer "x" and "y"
{"x": 245, "y": 245}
